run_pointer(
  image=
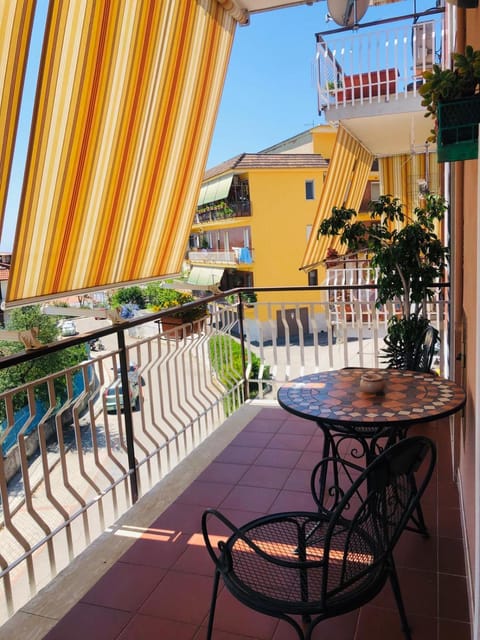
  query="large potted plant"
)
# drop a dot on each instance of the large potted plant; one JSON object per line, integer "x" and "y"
{"x": 451, "y": 97}
{"x": 409, "y": 258}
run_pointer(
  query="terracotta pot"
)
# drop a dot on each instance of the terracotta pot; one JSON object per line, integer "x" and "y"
{"x": 172, "y": 322}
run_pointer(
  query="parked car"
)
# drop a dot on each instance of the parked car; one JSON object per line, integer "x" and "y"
{"x": 69, "y": 328}
{"x": 115, "y": 391}
{"x": 132, "y": 372}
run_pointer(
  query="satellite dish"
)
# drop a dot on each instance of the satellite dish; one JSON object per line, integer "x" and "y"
{"x": 347, "y": 13}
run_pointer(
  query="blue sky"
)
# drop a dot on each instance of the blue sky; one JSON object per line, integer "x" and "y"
{"x": 269, "y": 92}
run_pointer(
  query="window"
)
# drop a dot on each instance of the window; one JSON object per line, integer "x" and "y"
{"x": 309, "y": 190}
{"x": 313, "y": 278}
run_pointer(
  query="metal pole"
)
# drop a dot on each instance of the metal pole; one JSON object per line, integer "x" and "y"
{"x": 242, "y": 345}
{"x": 127, "y": 412}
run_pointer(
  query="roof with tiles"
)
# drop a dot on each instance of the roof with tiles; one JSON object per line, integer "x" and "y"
{"x": 246, "y": 161}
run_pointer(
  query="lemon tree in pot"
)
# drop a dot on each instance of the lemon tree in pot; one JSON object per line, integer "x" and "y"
{"x": 451, "y": 97}
{"x": 410, "y": 260}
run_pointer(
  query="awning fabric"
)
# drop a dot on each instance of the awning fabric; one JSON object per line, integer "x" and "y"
{"x": 401, "y": 176}
{"x": 16, "y": 20}
{"x": 125, "y": 108}
{"x": 205, "y": 276}
{"x": 215, "y": 190}
{"x": 345, "y": 184}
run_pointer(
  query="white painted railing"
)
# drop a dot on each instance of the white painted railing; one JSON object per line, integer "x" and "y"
{"x": 380, "y": 65}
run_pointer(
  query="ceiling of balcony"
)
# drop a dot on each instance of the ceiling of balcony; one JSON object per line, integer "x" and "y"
{"x": 389, "y": 133}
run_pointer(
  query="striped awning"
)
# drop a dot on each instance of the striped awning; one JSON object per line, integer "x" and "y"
{"x": 126, "y": 103}
{"x": 404, "y": 176}
{"x": 215, "y": 190}
{"x": 344, "y": 186}
{"x": 205, "y": 276}
{"x": 16, "y": 20}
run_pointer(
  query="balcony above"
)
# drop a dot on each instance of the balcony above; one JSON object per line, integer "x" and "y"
{"x": 369, "y": 82}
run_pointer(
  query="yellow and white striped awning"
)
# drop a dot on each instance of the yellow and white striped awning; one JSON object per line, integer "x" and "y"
{"x": 345, "y": 184}
{"x": 16, "y": 20}
{"x": 126, "y": 103}
{"x": 402, "y": 176}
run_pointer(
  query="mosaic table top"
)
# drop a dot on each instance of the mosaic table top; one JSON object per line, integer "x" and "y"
{"x": 335, "y": 396}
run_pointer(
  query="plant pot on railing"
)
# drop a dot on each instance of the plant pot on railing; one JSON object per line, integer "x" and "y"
{"x": 169, "y": 323}
{"x": 457, "y": 136}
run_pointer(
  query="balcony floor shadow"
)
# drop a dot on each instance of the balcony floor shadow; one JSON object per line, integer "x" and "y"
{"x": 151, "y": 579}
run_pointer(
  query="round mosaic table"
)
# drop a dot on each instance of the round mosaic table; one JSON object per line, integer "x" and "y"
{"x": 335, "y": 397}
{"x": 357, "y": 425}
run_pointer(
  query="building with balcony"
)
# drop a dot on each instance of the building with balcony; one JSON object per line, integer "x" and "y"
{"x": 255, "y": 214}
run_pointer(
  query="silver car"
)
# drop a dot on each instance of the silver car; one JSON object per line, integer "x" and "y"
{"x": 115, "y": 391}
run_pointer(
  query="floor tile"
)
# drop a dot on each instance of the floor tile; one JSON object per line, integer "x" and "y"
{"x": 161, "y": 587}
{"x": 90, "y": 621}
{"x": 125, "y": 586}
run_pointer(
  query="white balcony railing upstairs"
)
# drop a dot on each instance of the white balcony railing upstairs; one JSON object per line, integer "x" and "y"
{"x": 75, "y": 456}
{"x": 238, "y": 255}
{"x": 378, "y": 66}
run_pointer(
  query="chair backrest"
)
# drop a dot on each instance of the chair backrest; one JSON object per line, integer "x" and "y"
{"x": 369, "y": 519}
{"x": 426, "y": 350}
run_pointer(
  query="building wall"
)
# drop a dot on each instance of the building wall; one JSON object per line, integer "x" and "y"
{"x": 281, "y": 216}
{"x": 466, "y": 212}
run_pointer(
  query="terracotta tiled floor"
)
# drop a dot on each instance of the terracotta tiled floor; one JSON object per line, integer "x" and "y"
{"x": 160, "y": 589}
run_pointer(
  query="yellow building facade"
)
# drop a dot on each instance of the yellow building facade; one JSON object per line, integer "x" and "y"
{"x": 283, "y": 186}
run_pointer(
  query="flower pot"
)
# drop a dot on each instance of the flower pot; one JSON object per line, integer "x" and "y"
{"x": 169, "y": 323}
{"x": 457, "y": 137}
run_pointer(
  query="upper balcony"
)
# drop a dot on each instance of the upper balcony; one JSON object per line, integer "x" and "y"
{"x": 366, "y": 75}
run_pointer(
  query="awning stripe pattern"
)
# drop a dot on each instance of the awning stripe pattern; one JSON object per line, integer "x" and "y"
{"x": 345, "y": 184}
{"x": 16, "y": 21}
{"x": 125, "y": 108}
{"x": 402, "y": 175}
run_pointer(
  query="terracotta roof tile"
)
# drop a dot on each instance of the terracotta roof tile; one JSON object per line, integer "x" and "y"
{"x": 246, "y": 161}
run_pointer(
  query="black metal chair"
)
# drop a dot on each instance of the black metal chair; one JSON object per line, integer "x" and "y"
{"x": 425, "y": 351}
{"x": 304, "y": 567}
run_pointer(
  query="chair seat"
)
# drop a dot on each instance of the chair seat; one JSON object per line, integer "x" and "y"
{"x": 325, "y": 563}
{"x": 277, "y": 579}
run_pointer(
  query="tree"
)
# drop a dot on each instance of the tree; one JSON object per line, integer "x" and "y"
{"x": 26, "y": 318}
{"x": 134, "y": 295}
{"x": 409, "y": 257}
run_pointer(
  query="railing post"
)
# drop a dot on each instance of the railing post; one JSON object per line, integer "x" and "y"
{"x": 127, "y": 412}
{"x": 242, "y": 345}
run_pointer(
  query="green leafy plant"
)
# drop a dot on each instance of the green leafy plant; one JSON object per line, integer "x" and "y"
{"x": 226, "y": 358}
{"x": 160, "y": 298}
{"x": 409, "y": 258}
{"x": 30, "y": 317}
{"x": 443, "y": 85}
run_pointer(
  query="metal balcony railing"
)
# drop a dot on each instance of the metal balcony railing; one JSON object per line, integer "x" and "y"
{"x": 74, "y": 462}
{"x": 379, "y": 66}
{"x": 238, "y": 256}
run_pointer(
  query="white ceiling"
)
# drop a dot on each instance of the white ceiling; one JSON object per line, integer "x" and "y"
{"x": 391, "y": 134}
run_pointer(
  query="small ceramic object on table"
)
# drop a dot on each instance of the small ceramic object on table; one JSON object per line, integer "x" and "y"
{"x": 372, "y": 382}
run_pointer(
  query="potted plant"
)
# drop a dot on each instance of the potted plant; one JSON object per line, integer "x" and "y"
{"x": 409, "y": 258}
{"x": 160, "y": 298}
{"x": 451, "y": 97}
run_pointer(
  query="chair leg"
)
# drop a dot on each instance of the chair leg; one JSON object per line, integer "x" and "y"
{"x": 216, "y": 579}
{"x": 399, "y": 600}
